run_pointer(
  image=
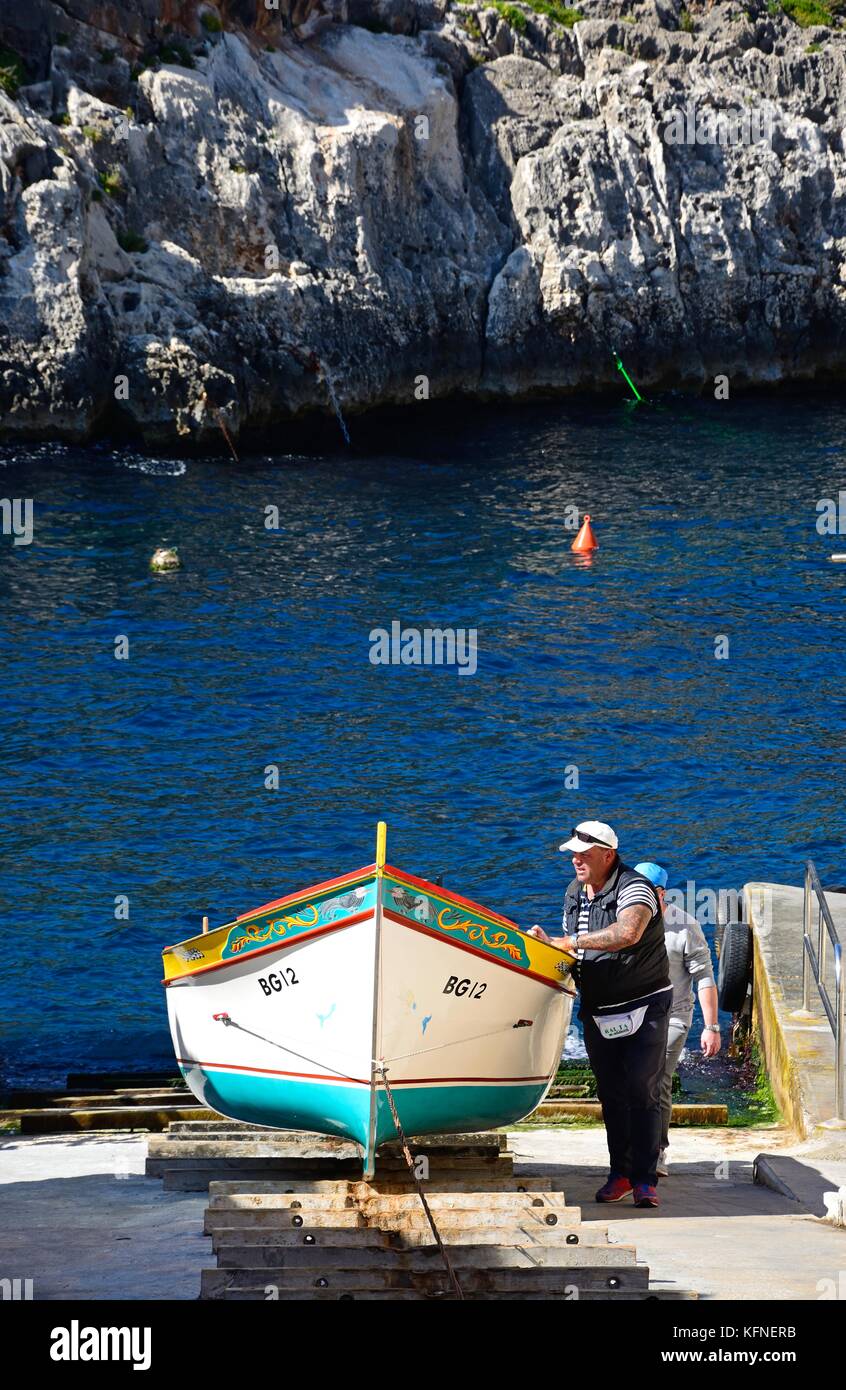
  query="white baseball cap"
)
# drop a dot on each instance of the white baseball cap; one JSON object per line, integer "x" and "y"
{"x": 589, "y": 833}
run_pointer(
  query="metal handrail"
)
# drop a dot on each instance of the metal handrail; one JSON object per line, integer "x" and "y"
{"x": 815, "y": 961}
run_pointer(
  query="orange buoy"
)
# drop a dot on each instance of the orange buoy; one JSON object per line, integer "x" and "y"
{"x": 585, "y": 540}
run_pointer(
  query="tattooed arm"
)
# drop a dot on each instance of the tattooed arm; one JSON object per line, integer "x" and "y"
{"x": 625, "y": 932}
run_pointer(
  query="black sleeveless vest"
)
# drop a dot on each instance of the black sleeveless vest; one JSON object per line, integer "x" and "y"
{"x": 611, "y": 977}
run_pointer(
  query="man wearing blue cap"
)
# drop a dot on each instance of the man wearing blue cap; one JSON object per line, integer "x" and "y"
{"x": 690, "y": 959}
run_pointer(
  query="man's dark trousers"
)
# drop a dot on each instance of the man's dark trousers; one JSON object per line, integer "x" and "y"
{"x": 628, "y": 1075}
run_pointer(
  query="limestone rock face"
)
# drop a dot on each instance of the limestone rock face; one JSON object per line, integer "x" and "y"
{"x": 222, "y": 213}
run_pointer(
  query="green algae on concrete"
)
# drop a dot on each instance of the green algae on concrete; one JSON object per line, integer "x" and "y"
{"x": 540, "y": 1120}
{"x": 757, "y": 1104}
{"x": 737, "y": 1085}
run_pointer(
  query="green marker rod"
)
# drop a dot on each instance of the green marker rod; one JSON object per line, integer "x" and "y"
{"x": 621, "y": 368}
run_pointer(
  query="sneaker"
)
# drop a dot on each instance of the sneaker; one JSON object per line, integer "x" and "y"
{"x": 661, "y": 1168}
{"x": 645, "y": 1195}
{"x": 614, "y": 1189}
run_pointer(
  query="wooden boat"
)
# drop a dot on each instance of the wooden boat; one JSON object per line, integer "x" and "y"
{"x": 313, "y": 1012}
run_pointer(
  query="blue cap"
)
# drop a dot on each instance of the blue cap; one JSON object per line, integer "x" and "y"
{"x": 653, "y": 872}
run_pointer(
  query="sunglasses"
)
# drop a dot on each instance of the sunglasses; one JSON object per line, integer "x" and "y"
{"x": 580, "y": 835}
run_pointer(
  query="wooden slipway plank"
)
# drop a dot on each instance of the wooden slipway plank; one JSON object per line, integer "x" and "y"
{"x": 562, "y": 1282}
{"x": 405, "y": 1296}
{"x": 51, "y": 1121}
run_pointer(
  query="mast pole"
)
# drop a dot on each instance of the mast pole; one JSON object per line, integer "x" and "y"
{"x": 381, "y": 844}
{"x": 370, "y": 1151}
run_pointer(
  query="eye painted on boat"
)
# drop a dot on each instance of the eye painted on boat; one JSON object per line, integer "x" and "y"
{"x": 472, "y": 988}
{"x": 274, "y": 983}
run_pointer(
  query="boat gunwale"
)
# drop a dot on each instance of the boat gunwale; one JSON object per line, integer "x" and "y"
{"x": 279, "y": 945}
{"x": 290, "y": 900}
{"x": 439, "y": 935}
{"x": 346, "y": 879}
{"x": 369, "y": 871}
{"x": 437, "y": 891}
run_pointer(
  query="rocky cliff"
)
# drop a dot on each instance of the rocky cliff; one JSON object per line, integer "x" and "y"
{"x": 225, "y": 213}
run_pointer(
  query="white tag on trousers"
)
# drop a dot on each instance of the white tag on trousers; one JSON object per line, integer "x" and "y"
{"x": 620, "y": 1025}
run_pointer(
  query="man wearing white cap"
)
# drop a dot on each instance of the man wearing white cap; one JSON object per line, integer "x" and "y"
{"x": 613, "y": 925}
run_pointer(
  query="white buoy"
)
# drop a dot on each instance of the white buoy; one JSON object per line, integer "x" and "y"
{"x": 838, "y": 559}
{"x": 164, "y": 559}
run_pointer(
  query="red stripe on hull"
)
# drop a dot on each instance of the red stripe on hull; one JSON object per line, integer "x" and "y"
{"x": 358, "y": 1081}
{"x": 270, "y": 1071}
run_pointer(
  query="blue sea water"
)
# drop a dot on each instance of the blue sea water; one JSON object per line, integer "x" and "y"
{"x": 146, "y": 777}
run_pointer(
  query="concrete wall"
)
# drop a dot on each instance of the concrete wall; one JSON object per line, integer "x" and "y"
{"x": 767, "y": 995}
{"x": 798, "y": 1050}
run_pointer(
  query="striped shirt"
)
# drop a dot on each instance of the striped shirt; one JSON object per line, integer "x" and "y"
{"x": 634, "y": 893}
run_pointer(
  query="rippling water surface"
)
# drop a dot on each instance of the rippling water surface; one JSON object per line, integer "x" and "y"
{"x": 146, "y": 777}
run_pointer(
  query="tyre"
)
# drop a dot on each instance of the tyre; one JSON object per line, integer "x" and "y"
{"x": 735, "y": 970}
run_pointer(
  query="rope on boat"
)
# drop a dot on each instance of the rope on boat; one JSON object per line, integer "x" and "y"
{"x": 409, "y": 1158}
{"x": 284, "y": 1047}
{"x": 422, "y": 1051}
{"x": 402, "y": 1057}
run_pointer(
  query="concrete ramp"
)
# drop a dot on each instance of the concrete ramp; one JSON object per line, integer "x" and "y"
{"x": 799, "y": 1051}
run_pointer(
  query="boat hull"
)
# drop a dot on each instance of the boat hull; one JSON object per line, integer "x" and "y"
{"x": 308, "y": 1015}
